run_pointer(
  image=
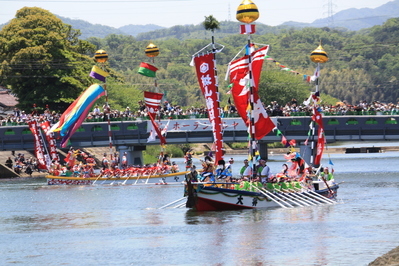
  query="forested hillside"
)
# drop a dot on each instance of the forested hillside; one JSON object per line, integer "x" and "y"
{"x": 363, "y": 65}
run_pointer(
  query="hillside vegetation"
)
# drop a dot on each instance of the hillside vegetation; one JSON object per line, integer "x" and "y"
{"x": 43, "y": 60}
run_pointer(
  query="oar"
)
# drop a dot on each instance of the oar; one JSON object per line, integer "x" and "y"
{"x": 124, "y": 182}
{"x": 149, "y": 176}
{"x": 269, "y": 195}
{"x": 320, "y": 197}
{"x": 329, "y": 189}
{"x": 291, "y": 199}
{"x": 138, "y": 177}
{"x": 173, "y": 202}
{"x": 96, "y": 179}
{"x": 301, "y": 199}
{"x": 286, "y": 197}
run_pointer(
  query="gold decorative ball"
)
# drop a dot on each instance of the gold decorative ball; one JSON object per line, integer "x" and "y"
{"x": 152, "y": 50}
{"x": 101, "y": 56}
{"x": 247, "y": 12}
{"x": 319, "y": 55}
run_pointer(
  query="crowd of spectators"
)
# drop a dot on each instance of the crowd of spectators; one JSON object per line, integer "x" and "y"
{"x": 167, "y": 110}
{"x": 20, "y": 164}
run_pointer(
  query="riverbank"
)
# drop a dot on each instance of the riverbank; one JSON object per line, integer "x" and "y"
{"x": 389, "y": 259}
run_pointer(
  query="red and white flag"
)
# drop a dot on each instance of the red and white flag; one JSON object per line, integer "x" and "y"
{"x": 317, "y": 117}
{"x": 247, "y": 29}
{"x": 316, "y": 73}
{"x": 153, "y": 103}
{"x": 239, "y": 77}
{"x": 205, "y": 67}
{"x": 45, "y": 126}
{"x": 39, "y": 148}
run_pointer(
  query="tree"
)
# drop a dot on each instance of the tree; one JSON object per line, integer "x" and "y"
{"x": 211, "y": 24}
{"x": 42, "y": 60}
{"x": 279, "y": 86}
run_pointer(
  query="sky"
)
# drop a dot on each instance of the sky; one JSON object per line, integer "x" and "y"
{"x": 169, "y": 13}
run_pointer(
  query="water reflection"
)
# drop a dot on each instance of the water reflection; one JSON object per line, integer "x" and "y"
{"x": 54, "y": 221}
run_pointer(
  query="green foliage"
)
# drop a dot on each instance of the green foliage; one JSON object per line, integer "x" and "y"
{"x": 280, "y": 86}
{"x": 42, "y": 60}
{"x": 152, "y": 152}
{"x": 238, "y": 145}
{"x": 211, "y": 23}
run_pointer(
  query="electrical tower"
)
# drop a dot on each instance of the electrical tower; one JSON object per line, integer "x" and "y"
{"x": 330, "y": 13}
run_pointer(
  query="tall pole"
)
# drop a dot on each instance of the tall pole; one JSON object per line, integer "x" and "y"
{"x": 152, "y": 51}
{"x": 317, "y": 56}
{"x": 101, "y": 57}
{"x": 217, "y": 92}
{"x": 247, "y": 12}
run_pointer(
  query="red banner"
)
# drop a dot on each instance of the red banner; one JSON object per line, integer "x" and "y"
{"x": 39, "y": 148}
{"x": 239, "y": 77}
{"x": 45, "y": 126}
{"x": 317, "y": 117}
{"x": 153, "y": 103}
{"x": 205, "y": 67}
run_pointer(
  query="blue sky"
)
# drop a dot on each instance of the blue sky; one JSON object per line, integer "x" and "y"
{"x": 179, "y": 12}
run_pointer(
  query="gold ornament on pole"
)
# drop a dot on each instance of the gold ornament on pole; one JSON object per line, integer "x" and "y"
{"x": 247, "y": 12}
{"x": 101, "y": 56}
{"x": 319, "y": 55}
{"x": 152, "y": 50}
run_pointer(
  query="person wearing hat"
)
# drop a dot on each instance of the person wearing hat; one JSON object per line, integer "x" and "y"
{"x": 263, "y": 171}
{"x": 222, "y": 172}
{"x": 229, "y": 166}
{"x": 192, "y": 175}
{"x": 246, "y": 170}
{"x": 207, "y": 170}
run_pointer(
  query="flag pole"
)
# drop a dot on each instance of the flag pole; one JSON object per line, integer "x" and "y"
{"x": 218, "y": 97}
{"x": 247, "y": 12}
{"x": 101, "y": 57}
{"x": 152, "y": 51}
{"x": 317, "y": 56}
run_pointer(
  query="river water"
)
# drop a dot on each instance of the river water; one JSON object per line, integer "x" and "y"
{"x": 123, "y": 225}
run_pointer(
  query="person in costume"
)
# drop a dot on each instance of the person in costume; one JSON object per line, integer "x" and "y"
{"x": 222, "y": 172}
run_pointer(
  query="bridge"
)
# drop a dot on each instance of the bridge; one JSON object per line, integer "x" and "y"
{"x": 131, "y": 136}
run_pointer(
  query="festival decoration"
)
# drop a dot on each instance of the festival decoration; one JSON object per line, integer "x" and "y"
{"x": 152, "y": 50}
{"x": 241, "y": 85}
{"x": 319, "y": 55}
{"x": 39, "y": 147}
{"x": 205, "y": 66}
{"x": 76, "y": 113}
{"x": 101, "y": 56}
{"x": 98, "y": 73}
{"x": 247, "y": 12}
{"x": 147, "y": 70}
{"x": 153, "y": 103}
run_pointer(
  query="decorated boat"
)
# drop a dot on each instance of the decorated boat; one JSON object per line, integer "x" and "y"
{"x": 112, "y": 171}
{"x": 252, "y": 195}
{"x": 157, "y": 179}
{"x": 301, "y": 184}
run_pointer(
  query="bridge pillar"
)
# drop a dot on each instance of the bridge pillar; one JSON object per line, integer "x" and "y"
{"x": 134, "y": 154}
{"x": 263, "y": 151}
{"x": 306, "y": 152}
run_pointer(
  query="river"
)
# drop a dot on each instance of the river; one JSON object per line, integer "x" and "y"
{"x": 123, "y": 225}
